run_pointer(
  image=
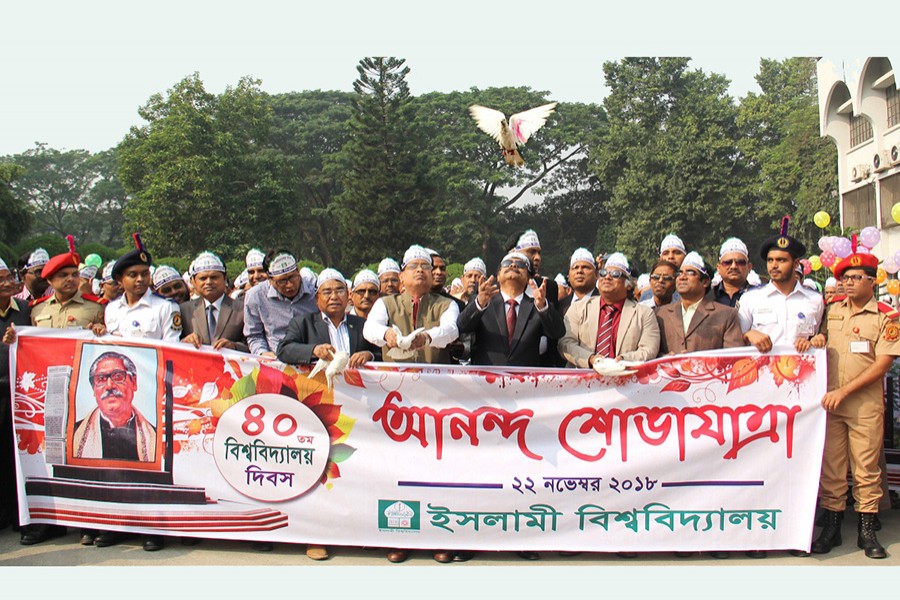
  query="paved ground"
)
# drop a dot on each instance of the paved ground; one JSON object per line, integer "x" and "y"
{"x": 66, "y": 551}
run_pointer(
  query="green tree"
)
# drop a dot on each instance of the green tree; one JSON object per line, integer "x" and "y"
{"x": 382, "y": 207}
{"x": 309, "y": 129}
{"x": 794, "y": 170}
{"x": 71, "y": 192}
{"x": 670, "y": 160}
{"x": 198, "y": 167}
{"x": 15, "y": 218}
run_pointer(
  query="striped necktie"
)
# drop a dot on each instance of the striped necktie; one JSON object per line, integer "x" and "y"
{"x": 605, "y": 331}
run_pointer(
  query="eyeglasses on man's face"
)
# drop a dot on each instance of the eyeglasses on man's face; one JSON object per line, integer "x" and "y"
{"x": 118, "y": 376}
{"x": 741, "y": 262}
{"x": 854, "y": 278}
{"x": 514, "y": 262}
{"x": 614, "y": 273}
{"x": 658, "y": 277}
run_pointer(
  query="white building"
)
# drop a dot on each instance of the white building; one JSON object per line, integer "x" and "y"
{"x": 859, "y": 110}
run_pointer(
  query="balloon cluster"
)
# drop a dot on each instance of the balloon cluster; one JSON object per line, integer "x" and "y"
{"x": 835, "y": 248}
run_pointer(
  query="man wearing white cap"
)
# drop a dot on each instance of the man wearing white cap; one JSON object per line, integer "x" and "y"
{"x": 366, "y": 289}
{"x": 270, "y": 306}
{"x": 582, "y": 279}
{"x": 87, "y": 273}
{"x": 830, "y": 289}
{"x": 733, "y": 268}
{"x": 212, "y": 319}
{"x": 109, "y": 287}
{"x": 35, "y": 286}
{"x": 626, "y": 331}
{"x": 168, "y": 282}
{"x": 695, "y": 322}
{"x": 527, "y": 243}
{"x": 672, "y": 250}
{"x": 330, "y": 329}
{"x": 256, "y": 272}
{"x": 413, "y": 309}
{"x": 389, "y": 276}
{"x": 474, "y": 272}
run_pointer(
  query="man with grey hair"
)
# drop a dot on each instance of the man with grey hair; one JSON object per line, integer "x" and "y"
{"x": 115, "y": 429}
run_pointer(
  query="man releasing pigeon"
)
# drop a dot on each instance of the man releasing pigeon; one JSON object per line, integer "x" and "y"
{"x": 513, "y": 133}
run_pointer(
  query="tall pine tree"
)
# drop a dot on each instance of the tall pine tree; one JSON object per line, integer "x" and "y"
{"x": 383, "y": 207}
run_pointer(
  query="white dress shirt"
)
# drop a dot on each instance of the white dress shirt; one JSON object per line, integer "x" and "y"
{"x": 784, "y": 318}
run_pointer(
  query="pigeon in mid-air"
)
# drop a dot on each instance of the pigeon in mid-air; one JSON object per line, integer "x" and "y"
{"x": 512, "y": 133}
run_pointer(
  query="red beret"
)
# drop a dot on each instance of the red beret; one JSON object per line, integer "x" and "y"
{"x": 856, "y": 261}
{"x": 60, "y": 261}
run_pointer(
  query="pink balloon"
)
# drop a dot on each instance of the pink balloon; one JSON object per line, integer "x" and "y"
{"x": 869, "y": 236}
{"x": 890, "y": 266}
{"x": 827, "y": 258}
{"x": 842, "y": 247}
{"x": 825, "y": 243}
{"x": 896, "y": 258}
{"x": 807, "y": 268}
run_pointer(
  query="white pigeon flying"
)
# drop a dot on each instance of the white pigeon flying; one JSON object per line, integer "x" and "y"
{"x": 331, "y": 367}
{"x": 513, "y": 133}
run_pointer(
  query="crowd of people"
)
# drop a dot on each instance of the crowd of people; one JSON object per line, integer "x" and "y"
{"x": 597, "y": 315}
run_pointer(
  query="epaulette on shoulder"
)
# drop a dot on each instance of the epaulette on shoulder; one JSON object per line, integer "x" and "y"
{"x": 94, "y": 298}
{"x": 837, "y": 298}
{"x": 37, "y": 301}
{"x": 887, "y": 309}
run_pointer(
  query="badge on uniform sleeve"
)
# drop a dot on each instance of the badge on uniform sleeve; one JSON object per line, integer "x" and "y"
{"x": 176, "y": 322}
{"x": 891, "y": 332}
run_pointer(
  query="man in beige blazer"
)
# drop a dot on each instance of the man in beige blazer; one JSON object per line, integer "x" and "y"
{"x": 696, "y": 322}
{"x": 628, "y": 331}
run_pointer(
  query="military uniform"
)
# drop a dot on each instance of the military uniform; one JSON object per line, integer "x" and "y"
{"x": 78, "y": 312}
{"x": 855, "y": 430}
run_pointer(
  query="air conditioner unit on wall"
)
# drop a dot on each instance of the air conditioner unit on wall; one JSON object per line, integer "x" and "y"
{"x": 895, "y": 155}
{"x": 881, "y": 161}
{"x": 859, "y": 172}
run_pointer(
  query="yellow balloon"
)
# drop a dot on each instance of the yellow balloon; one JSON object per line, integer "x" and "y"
{"x": 837, "y": 260}
{"x": 895, "y": 212}
{"x": 822, "y": 219}
{"x": 815, "y": 262}
{"x": 893, "y": 287}
{"x": 880, "y": 276}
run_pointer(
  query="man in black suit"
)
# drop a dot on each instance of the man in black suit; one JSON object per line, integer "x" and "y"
{"x": 330, "y": 330}
{"x": 213, "y": 319}
{"x": 507, "y": 323}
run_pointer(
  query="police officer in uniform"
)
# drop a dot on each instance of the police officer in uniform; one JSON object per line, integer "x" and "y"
{"x": 138, "y": 312}
{"x": 862, "y": 336}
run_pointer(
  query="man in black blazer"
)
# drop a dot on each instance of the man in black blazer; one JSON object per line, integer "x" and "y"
{"x": 491, "y": 313}
{"x": 329, "y": 330}
{"x": 214, "y": 308}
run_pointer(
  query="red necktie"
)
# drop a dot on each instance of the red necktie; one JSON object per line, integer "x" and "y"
{"x": 415, "y": 302}
{"x": 605, "y": 331}
{"x": 510, "y": 321}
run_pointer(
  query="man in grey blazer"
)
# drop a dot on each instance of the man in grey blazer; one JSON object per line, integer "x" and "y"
{"x": 627, "y": 330}
{"x": 696, "y": 322}
{"x": 214, "y": 319}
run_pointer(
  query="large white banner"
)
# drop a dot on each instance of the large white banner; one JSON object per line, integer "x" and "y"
{"x": 712, "y": 451}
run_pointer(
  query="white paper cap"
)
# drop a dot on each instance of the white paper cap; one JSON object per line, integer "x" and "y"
{"x": 206, "y": 261}
{"x": 694, "y": 261}
{"x": 254, "y": 258}
{"x": 281, "y": 264}
{"x": 582, "y": 255}
{"x": 733, "y": 245}
{"x": 671, "y": 241}
{"x": 529, "y": 239}
{"x": 617, "y": 259}
{"x": 366, "y": 276}
{"x": 416, "y": 252}
{"x": 163, "y": 275}
{"x": 328, "y": 275}
{"x": 388, "y": 265}
{"x": 476, "y": 264}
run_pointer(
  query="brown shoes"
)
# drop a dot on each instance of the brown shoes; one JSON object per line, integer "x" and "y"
{"x": 397, "y": 555}
{"x": 317, "y": 552}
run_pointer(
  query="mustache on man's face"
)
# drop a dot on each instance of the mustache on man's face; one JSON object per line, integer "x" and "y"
{"x": 112, "y": 392}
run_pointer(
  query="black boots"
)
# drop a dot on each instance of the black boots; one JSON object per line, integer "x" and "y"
{"x": 830, "y": 537}
{"x": 867, "y": 540}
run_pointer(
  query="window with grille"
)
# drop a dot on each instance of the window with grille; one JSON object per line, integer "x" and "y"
{"x": 859, "y": 208}
{"x": 893, "y": 105}
{"x": 860, "y": 130}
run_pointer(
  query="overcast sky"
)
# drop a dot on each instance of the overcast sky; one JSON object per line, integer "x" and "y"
{"x": 74, "y": 73}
